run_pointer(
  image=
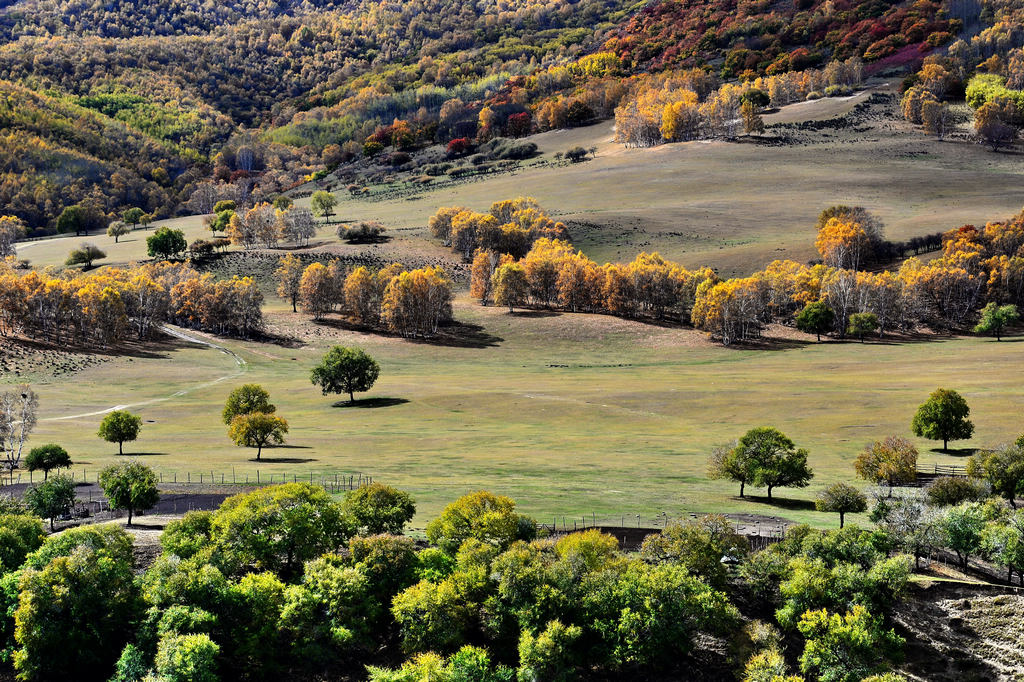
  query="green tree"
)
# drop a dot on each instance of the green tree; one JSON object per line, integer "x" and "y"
{"x": 816, "y": 318}
{"x": 550, "y": 655}
{"x": 377, "y": 508}
{"x": 117, "y": 229}
{"x": 841, "y": 498}
{"x": 322, "y": 204}
{"x": 85, "y": 255}
{"x": 120, "y": 426}
{"x": 995, "y": 318}
{"x": 225, "y": 205}
{"x": 768, "y": 459}
{"x": 166, "y": 243}
{"x": 72, "y": 219}
{"x": 282, "y": 202}
{"x": 1003, "y": 469}
{"x": 131, "y": 666}
{"x": 483, "y": 516}
{"x": 943, "y": 417}
{"x": 187, "y": 658}
{"x": 222, "y": 220}
{"x": 46, "y": 458}
{"x": 280, "y": 527}
{"x": 133, "y": 216}
{"x": 74, "y": 617}
{"x": 131, "y": 486}
{"x": 19, "y": 536}
{"x": 962, "y": 526}
{"x": 700, "y": 545}
{"x": 345, "y": 370}
{"x": 50, "y": 499}
{"x": 846, "y": 648}
{"x": 246, "y": 399}
{"x": 257, "y": 430}
{"x": 1003, "y": 543}
{"x": 862, "y": 324}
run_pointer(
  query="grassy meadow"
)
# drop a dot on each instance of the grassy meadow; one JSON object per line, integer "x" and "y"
{"x": 569, "y": 414}
{"x": 577, "y": 414}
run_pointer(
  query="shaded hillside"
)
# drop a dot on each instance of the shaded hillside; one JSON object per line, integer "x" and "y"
{"x": 775, "y": 37}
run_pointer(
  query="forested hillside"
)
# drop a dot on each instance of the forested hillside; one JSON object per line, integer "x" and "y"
{"x": 182, "y": 87}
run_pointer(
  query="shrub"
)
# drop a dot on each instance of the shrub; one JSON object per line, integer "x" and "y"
{"x": 814, "y": 94}
{"x": 366, "y": 232}
{"x": 952, "y": 490}
{"x": 838, "y": 90}
{"x": 187, "y": 658}
{"x": 576, "y": 154}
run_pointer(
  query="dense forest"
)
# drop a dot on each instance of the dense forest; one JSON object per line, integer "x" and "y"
{"x": 265, "y": 95}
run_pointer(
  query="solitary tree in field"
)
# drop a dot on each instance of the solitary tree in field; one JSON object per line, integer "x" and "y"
{"x": 133, "y": 216}
{"x": 257, "y": 430}
{"x": 815, "y": 318}
{"x": 166, "y": 243}
{"x": 345, "y": 370}
{"x": 289, "y": 277}
{"x": 841, "y": 498}
{"x": 117, "y": 229}
{"x": 46, "y": 458}
{"x": 85, "y": 255}
{"x": 246, "y": 399}
{"x": 766, "y": 458}
{"x": 120, "y": 426}
{"x": 50, "y": 499}
{"x": 322, "y": 204}
{"x": 995, "y": 318}
{"x": 943, "y": 417}
{"x": 892, "y": 461}
{"x": 130, "y": 486}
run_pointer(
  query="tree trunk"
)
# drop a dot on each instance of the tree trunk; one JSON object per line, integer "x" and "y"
{"x": 129, "y": 516}
{"x": 742, "y": 485}
{"x": 842, "y": 520}
{"x": 770, "y": 492}
{"x": 294, "y": 310}
{"x": 120, "y": 447}
{"x": 819, "y": 337}
{"x": 351, "y": 396}
{"x": 259, "y": 449}
{"x": 945, "y": 444}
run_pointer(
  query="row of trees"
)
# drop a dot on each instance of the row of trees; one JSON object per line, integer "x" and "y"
{"x": 511, "y": 226}
{"x": 409, "y": 302}
{"x": 116, "y": 304}
{"x": 265, "y": 225}
{"x": 836, "y": 296}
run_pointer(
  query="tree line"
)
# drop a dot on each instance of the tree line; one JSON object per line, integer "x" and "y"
{"x": 977, "y": 266}
{"x": 413, "y": 303}
{"x": 118, "y": 304}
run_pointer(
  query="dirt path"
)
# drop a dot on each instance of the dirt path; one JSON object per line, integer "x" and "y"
{"x": 241, "y": 367}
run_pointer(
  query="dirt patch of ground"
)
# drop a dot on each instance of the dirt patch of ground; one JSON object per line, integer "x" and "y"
{"x": 27, "y": 360}
{"x": 961, "y": 633}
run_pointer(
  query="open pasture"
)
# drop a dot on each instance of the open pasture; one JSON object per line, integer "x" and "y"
{"x": 567, "y": 413}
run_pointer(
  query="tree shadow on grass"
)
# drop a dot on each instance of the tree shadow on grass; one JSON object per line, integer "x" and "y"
{"x": 283, "y": 460}
{"x": 371, "y": 402}
{"x": 452, "y": 334}
{"x": 539, "y": 312}
{"x": 782, "y": 502}
{"x": 956, "y": 452}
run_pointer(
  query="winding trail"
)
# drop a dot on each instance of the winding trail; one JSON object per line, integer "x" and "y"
{"x": 241, "y": 367}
